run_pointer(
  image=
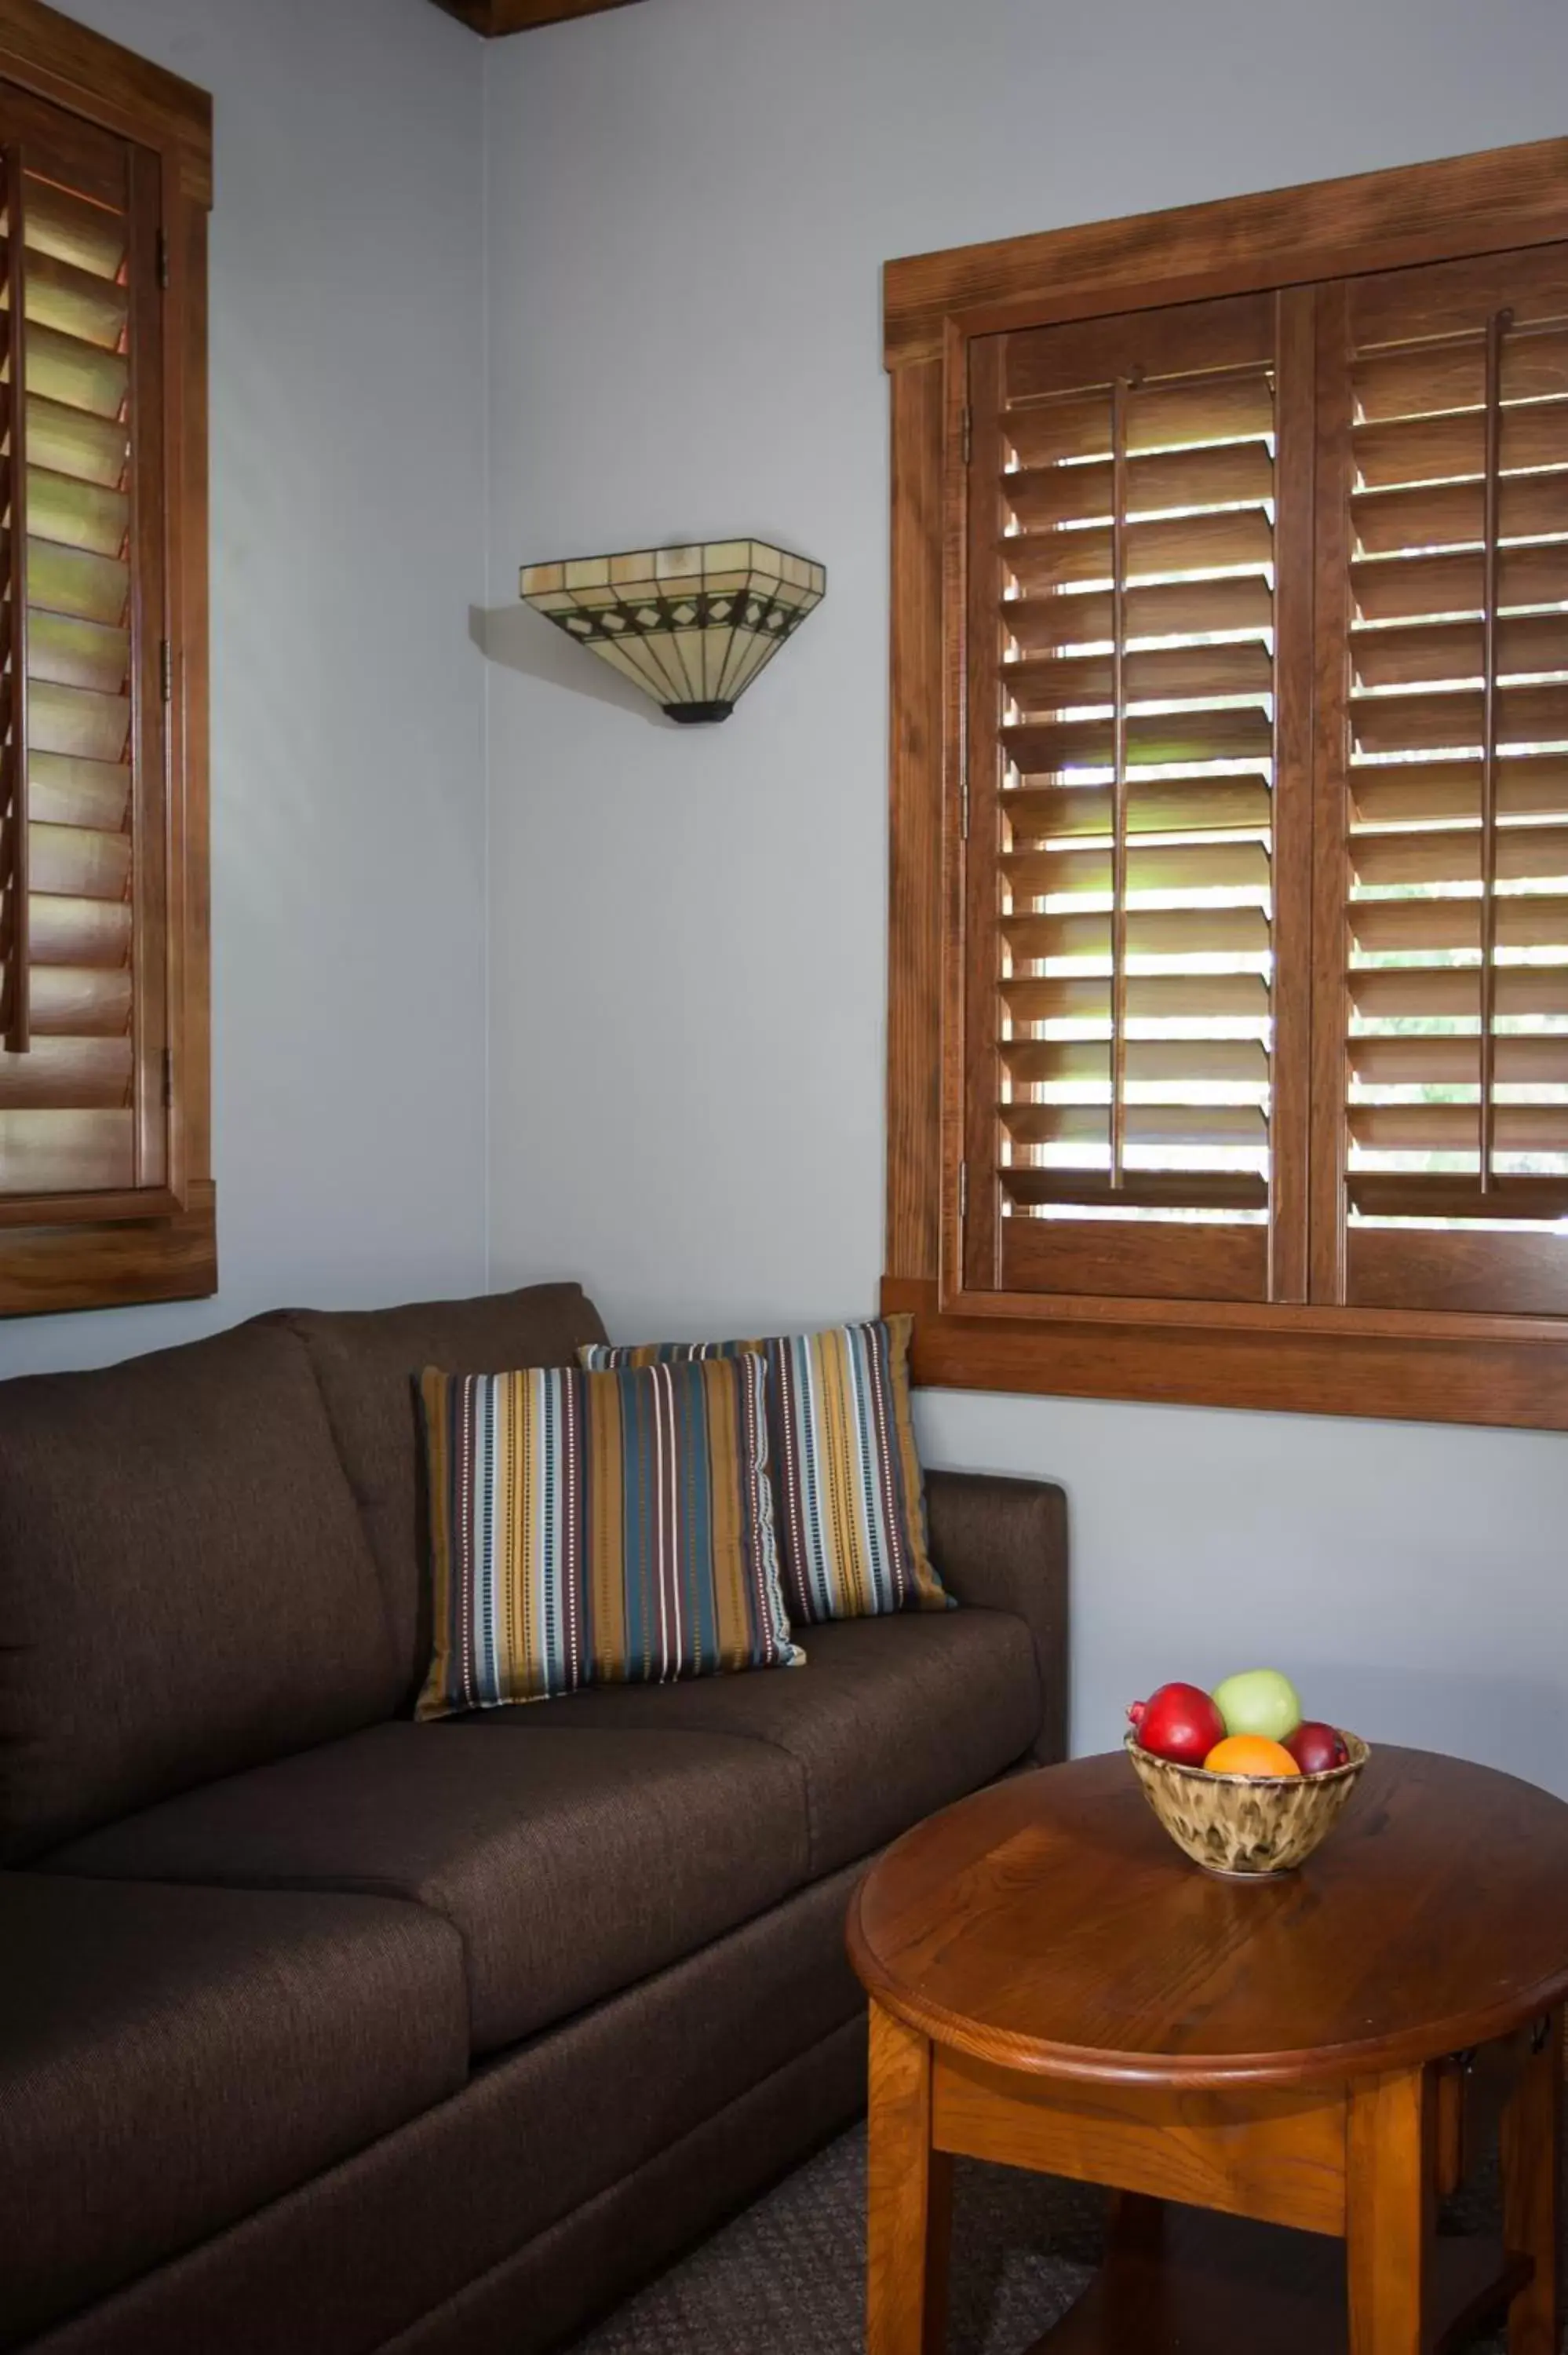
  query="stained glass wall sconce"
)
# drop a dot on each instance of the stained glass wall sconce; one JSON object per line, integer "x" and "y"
{"x": 692, "y": 626}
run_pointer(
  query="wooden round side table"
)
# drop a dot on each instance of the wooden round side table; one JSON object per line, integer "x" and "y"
{"x": 1280, "y": 2079}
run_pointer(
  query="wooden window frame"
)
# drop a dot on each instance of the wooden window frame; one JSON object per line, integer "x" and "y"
{"x": 96, "y": 1249}
{"x": 1406, "y": 1364}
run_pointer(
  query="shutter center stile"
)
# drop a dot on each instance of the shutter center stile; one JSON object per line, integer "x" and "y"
{"x": 17, "y": 967}
{"x": 1497, "y": 328}
{"x": 1118, "y": 784}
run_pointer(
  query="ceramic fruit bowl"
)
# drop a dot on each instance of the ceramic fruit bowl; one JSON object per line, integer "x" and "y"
{"x": 1246, "y": 1827}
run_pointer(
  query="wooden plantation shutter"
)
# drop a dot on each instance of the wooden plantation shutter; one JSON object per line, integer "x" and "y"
{"x": 1138, "y": 890}
{"x": 1444, "y": 615}
{"x": 84, "y": 1030}
{"x": 1228, "y": 955}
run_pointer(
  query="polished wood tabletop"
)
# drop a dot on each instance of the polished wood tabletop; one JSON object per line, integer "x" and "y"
{"x": 1048, "y": 1923}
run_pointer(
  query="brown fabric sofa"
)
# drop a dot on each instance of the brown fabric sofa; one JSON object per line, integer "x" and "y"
{"x": 324, "y": 2030}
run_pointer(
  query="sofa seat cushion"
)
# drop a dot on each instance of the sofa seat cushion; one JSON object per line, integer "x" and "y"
{"x": 889, "y": 1719}
{"x": 172, "y": 2059}
{"x": 573, "y": 1863}
{"x": 368, "y": 1361}
{"x": 186, "y": 1589}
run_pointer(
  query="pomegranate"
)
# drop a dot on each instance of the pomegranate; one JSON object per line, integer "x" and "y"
{"x": 1315, "y": 1746}
{"x": 1179, "y": 1722}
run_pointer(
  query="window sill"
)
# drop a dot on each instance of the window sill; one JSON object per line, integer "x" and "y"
{"x": 1297, "y": 1361}
{"x": 45, "y": 1271}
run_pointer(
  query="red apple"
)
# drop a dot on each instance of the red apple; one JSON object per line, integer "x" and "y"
{"x": 1179, "y": 1722}
{"x": 1315, "y": 1746}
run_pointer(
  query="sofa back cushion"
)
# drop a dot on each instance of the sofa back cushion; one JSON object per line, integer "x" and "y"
{"x": 186, "y": 1589}
{"x": 368, "y": 1363}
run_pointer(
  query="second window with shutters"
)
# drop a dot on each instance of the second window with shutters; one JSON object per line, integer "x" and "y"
{"x": 1252, "y": 972}
{"x": 105, "y": 1191}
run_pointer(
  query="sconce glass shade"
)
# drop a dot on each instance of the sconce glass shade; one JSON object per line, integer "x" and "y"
{"x": 692, "y": 626}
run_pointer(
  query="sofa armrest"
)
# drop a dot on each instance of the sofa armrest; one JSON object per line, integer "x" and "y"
{"x": 1002, "y": 1545}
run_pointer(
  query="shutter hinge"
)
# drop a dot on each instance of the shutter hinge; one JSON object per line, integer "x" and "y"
{"x": 169, "y": 1077}
{"x": 963, "y": 1191}
{"x": 165, "y": 670}
{"x": 164, "y": 258}
{"x": 969, "y": 434}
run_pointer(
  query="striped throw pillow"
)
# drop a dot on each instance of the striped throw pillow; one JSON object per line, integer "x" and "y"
{"x": 597, "y": 1529}
{"x": 848, "y": 1493}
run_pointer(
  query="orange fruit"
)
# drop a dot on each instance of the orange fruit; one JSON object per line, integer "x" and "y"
{"x": 1249, "y": 1753}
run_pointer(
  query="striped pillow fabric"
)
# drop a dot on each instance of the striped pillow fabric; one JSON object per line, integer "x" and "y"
{"x": 848, "y": 1492}
{"x": 597, "y": 1529}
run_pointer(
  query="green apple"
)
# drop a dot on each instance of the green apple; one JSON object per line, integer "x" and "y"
{"x": 1259, "y": 1700}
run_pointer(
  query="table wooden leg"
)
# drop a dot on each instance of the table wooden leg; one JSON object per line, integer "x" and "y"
{"x": 909, "y": 2199}
{"x": 1531, "y": 2149}
{"x": 1390, "y": 2158}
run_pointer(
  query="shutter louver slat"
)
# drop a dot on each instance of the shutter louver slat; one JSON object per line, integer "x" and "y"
{"x": 72, "y": 582}
{"x": 1455, "y": 721}
{"x": 72, "y": 1074}
{"x": 1168, "y": 416}
{"x": 1456, "y": 854}
{"x": 1037, "y": 874}
{"x": 75, "y": 303}
{"x": 1153, "y": 997}
{"x": 1424, "y": 381}
{"x": 1377, "y": 993}
{"x": 1202, "y": 672}
{"x": 1079, "y": 1190}
{"x": 77, "y": 374}
{"x": 1528, "y": 785}
{"x": 78, "y": 653}
{"x": 1388, "y": 523}
{"x": 79, "y": 932}
{"x": 64, "y": 1151}
{"x": 1525, "y": 920}
{"x": 1443, "y": 652}
{"x": 1126, "y": 923}
{"x": 78, "y": 862}
{"x": 1149, "y": 932}
{"x": 1450, "y": 1128}
{"x": 1455, "y": 617}
{"x": 65, "y": 792}
{"x": 70, "y": 1116}
{"x": 70, "y": 1002}
{"x": 1453, "y": 448}
{"x": 1169, "y": 804}
{"x": 68, "y": 442}
{"x": 1436, "y": 1061}
{"x": 1155, "y": 1124}
{"x": 1188, "y": 1058}
{"x": 1233, "y": 538}
{"x": 78, "y": 723}
{"x": 1239, "y": 473}
{"x": 1167, "y": 608}
{"x": 73, "y": 228}
{"x": 74, "y": 513}
{"x": 1397, "y": 588}
{"x": 1190, "y": 738}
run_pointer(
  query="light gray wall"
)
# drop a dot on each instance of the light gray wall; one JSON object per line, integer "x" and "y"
{"x": 689, "y": 204}
{"x": 348, "y": 531}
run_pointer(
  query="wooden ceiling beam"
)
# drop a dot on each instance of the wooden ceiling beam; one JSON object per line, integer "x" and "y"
{"x": 491, "y": 18}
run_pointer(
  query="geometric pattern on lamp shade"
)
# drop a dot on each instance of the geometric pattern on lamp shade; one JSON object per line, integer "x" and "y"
{"x": 692, "y": 626}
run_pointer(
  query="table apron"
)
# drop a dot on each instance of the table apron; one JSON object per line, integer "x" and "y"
{"x": 1272, "y": 2154}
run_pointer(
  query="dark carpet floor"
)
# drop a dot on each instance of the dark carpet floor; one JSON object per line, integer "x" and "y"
{"x": 784, "y": 2278}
